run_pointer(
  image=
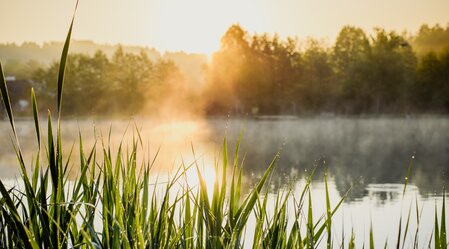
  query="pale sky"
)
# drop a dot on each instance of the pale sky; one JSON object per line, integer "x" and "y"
{"x": 197, "y": 25}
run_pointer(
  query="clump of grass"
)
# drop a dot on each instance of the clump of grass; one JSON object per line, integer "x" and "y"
{"x": 55, "y": 213}
{"x": 114, "y": 203}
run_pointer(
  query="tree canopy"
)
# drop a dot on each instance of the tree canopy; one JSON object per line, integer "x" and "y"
{"x": 259, "y": 74}
{"x": 262, "y": 74}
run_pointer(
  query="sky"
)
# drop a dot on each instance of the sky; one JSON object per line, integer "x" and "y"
{"x": 197, "y": 25}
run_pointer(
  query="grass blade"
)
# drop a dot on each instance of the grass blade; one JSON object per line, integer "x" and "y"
{"x": 6, "y": 101}
{"x": 36, "y": 118}
{"x": 63, "y": 61}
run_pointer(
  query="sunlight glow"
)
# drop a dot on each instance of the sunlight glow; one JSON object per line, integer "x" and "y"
{"x": 207, "y": 173}
{"x": 184, "y": 142}
{"x": 196, "y": 26}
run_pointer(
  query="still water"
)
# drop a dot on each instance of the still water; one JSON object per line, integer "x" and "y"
{"x": 372, "y": 154}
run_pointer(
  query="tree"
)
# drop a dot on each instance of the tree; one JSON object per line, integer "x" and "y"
{"x": 432, "y": 88}
{"x": 128, "y": 77}
{"x": 224, "y": 74}
{"x": 98, "y": 85}
{"x": 350, "y": 48}
{"x": 351, "y": 59}
{"x": 276, "y": 61}
{"x": 316, "y": 88}
{"x": 22, "y": 70}
{"x": 393, "y": 66}
{"x": 252, "y": 75}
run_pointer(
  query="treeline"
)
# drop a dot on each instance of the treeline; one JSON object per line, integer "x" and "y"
{"x": 95, "y": 85}
{"x": 263, "y": 74}
{"x": 21, "y": 60}
{"x": 47, "y": 52}
{"x": 385, "y": 72}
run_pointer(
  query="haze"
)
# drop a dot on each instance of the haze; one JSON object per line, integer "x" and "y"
{"x": 197, "y": 25}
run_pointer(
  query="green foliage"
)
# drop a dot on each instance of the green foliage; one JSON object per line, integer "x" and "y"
{"x": 96, "y": 84}
{"x": 358, "y": 74}
{"x": 252, "y": 75}
{"x": 431, "y": 39}
{"x": 22, "y": 70}
{"x": 432, "y": 87}
{"x": 258, "y": 75}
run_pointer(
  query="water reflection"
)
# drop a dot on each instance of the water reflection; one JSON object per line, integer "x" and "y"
{"x": 356, "y": 151}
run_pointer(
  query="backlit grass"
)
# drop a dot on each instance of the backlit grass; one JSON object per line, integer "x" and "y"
{"x": 116, "y": 202}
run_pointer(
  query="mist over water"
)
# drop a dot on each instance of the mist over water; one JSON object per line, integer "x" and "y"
{"x": 354, "y": 150}
{"x": 371, "y": 154}
{"x": 364, "y": 150}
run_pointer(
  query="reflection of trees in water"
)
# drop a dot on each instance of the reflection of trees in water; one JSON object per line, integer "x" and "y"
{"x": 356, "y": 151}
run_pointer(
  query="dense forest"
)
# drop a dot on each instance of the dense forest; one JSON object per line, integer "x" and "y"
{"x": 359, "y": 74}
{"x": 384, "y": 72}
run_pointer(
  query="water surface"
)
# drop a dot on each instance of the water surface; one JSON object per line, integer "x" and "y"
{"x": 372, "y": 154}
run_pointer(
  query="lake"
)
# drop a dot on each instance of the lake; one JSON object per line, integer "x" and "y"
{"x": 371, "y": 154}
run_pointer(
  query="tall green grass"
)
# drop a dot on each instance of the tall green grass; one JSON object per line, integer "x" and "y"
{"x": 116, "y": 202}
